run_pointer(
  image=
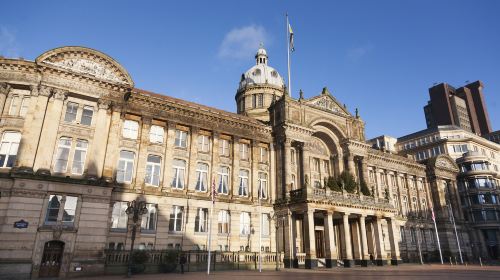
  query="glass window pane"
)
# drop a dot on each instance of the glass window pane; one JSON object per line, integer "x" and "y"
{"x": 87, "y": 115}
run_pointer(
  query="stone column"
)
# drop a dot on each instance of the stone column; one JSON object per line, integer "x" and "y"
{"x": 309, "y": 239}
{"x": 32, "y": 126}
{"x": 4, "y": 91}
{"x": 97, "y": 152}
{"x": 364, "y": 244}
{"x": 331, "y": 250}
{"x": 287, "y": 167}
{"x": 289, "y": 241}
{"x": 306, "y": 166}
{"x": 235, "y": 154}
{"x": 112, "y": 149}
{"x": 169, "y": 155}
{"x": 142, "y": 156}
{"x": 364, "y": 171}
{"x": 351, "y": 166}
{"x": 191, "y": 163}
{"x": 48, "y": 137}
{"x": 347, "y": 240}
{"x": 391, "y": 226}
{"x": 379, "y": 241}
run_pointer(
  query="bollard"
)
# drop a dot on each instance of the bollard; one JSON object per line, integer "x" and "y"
{"x": 480, "y": 262}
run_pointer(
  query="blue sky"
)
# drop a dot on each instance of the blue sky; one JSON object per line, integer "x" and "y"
{"x": 379, "y": 56}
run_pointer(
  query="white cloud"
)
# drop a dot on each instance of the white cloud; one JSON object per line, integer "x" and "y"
{"x": 355, "y": 54}
{"x": 8, "y": 43}
{"x": 242, "y": 43}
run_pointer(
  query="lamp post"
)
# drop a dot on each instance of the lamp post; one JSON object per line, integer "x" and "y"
{"x": 275, "y": 217}
{"x": 136, "y": 209}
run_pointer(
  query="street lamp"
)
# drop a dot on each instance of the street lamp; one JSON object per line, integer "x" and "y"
{"x": 135, "y": 208}
{"x": 275, "y": 218}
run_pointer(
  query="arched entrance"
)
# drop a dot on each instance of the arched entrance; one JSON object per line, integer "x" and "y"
{"x": 51, "y": 259}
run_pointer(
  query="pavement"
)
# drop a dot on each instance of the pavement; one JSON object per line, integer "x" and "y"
{"x": 427, "y": 272}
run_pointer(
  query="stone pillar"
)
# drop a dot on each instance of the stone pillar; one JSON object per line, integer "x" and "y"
{"x": 306, "y": 166}
{"x": 191, "y": 163}
{"x": 48, "y": 137}
{"x": 331, "y": 250}
{"x": 287, "y": 168}
{"x": 309, "y": 239}
{"x": 142, "y": 156}
{"x": 364, "y": 244}
{"x": 235, "y": 154}
{"x": 4, "y": 91}
{"x": 391, "y": 226}
{"x": 351, "y": 166}
{"x": 379, "y": 241}
{"x": 364, "y": 171}
{"x": 169, "y": 155}
{"x": 97, "y": 152}
{"x": 348, "y": 261}
{"x": 289, "y": 241}
{"x": 33, "y": 126}
{"x": 112, "y": 152}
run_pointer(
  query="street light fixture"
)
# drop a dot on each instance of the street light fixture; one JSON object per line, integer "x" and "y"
{"x": 136, "y": 209}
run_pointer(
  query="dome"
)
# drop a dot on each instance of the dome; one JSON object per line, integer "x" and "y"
{"x": 261, "y": 73}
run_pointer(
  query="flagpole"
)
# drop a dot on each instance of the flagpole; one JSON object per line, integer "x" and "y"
{"x": 288, "y": 54}
{"x": 437, "y": 235}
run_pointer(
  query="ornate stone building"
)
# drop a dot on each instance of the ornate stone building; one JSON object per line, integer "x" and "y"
{"x": 79, "y": 141}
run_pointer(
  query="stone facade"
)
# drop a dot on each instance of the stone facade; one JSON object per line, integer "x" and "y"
{"x": 79, "y": 141}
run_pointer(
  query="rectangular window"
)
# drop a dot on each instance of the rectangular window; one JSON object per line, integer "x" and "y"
{"x": 79, "y": 157}
{"x": 156, "y": 134}
{"x": 223, "y": 221}
{"x": 175, "y": 222}
{"x": 265, "y": 226}
{"x": 224, "y": 146}
{"x": 179, "y": 169}
{"x": 14, "y": 105}
{"x": 263, "y": 154}
{"x": 203, "y": 143}
{"x": 8, "y": 148}
{"x": 24, "y": 106}
{"x": 130, "y": 129}
{"x": 53, "y": 209}
{"x": 244, "y": 151}
{"x": 261, "y": 100}
{"x": 69, "y": 209}
{"x": 62, "y": 155}
{"x": 180, "y": 138}
{"x": 148, "y": 221}
{"x": 223, "y": 180}
{"x": 202, "y": 177}
{"x": 201, "y": 220}
{"x": 245, "y": 223}
{"x": 57, "y": 203}
{"x": 125, "y": 167}
{"x": 71, "y": 109}
{"x": 262, "y": 185}
{"x": 243, "y": 188}
{"x": 119, "y": 216}
{"x": 87, "y": 114}
{"x": 153, "y": 167}
{"x": 254, "y": 100}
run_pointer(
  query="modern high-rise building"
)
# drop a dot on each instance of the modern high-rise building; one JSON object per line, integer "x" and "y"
{"x": 464, "y": 107}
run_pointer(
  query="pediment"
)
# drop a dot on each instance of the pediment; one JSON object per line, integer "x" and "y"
{"x": 327, "y": 102}
{"x": 445, "y": 162}
{"x": 88, "y": 62}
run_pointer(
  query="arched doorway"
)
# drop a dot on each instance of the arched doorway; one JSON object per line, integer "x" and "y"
{"x": 51, "y": 259}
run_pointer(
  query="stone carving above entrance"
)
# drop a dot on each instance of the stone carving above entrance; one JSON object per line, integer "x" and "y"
{"x": 88, "y": 67}
{"x": 327, "y": 102}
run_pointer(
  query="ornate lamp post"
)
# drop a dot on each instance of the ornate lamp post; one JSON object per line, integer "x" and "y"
{"x": 136, "y": 209}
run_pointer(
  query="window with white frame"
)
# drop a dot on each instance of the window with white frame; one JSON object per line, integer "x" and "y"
{"x": 14, "y": 105}
{"x": 25, "y": 103}
{"x": 263, "y": 154}
{"x": 223, "y": 180}
{"x": 262, "y": 185}
{"x": 79, "y": 156}
{"x": 125, "y": 170}
{"x": 176, "y": 216}
{"x": 179, "y": 171}
{"x": 153, "y": 170}
{"x": 119, "y": 216}
{"x": 62, "y": 155}
{"x": 87, "y": 113}
{"x": 148, "y": 220}
{"x": 156, "y": 134}
{"x": 130, "y": 129}
{"x": 201, "y": 220}
{"x": 244, "y": 147}
{"x": 204, "y": 143}
{"x": 180, "y": 138}
{"x": 243, "y": 187}
{"x": 223, "y": 221}
{"x": 201, "y": 177}
{"x": 266, "y": 224}
{"x": 8, "y": 148}
{"x": 245, "y": 223}
{"x": 71, "y": 110}
{"x": 224, "y": 146}
{"x": 66, "y": 204}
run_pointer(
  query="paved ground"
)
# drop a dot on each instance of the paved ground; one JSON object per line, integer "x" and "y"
{"x": 427, "y": 272}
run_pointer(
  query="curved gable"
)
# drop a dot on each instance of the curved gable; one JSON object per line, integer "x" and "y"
{"x": 86, "y": 61}
{"x": 444, "y": 161}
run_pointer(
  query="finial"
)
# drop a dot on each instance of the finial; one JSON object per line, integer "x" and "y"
{"x": 357, "y": 113}
{"x": 261, "y": 45}
{"x": 301, "y": 94}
